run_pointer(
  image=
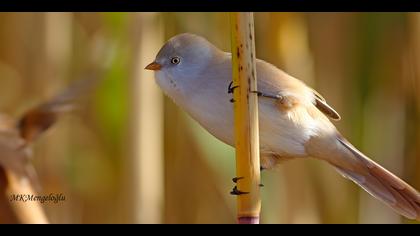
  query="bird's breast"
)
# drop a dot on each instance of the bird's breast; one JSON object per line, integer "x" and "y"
{"x": 211, "y": 107}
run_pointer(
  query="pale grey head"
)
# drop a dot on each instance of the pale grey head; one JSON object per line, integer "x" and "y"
{"x": 182, "y": 60}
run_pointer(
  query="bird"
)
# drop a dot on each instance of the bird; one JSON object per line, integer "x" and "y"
{"x": 17, "y": 136}
{"x": 294, "y": 119}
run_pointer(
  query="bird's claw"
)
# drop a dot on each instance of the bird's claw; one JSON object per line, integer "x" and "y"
{"x": 235, "y": 180}
{"x": 236, "y": 191}
{"x": 230, "y": 88}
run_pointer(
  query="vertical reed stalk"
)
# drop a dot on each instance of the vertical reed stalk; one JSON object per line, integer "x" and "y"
{"x": 246, "y": 118}
{"x": 147, "y": 134}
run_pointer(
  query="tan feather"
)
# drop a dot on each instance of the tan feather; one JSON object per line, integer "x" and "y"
{"x": 39, "y": 119}
{"x": 322, "y": 105}
{"x": 14, "y": 139}
{"x": 369, "y": 175}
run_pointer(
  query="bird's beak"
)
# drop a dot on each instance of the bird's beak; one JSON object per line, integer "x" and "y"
{"x": 153, "y": 66}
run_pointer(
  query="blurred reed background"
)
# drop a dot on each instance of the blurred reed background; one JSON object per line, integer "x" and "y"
{"x": 129, "y": 155}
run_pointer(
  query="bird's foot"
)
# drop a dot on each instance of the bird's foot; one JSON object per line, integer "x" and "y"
{"x": 236, "y": 191}
{"x": 235, "y": 180}
{"x": 231, "y": 89}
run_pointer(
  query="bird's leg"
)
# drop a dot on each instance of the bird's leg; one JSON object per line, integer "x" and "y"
{"x": 231, "y": 89}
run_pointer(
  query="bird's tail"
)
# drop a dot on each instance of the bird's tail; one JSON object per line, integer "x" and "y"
{"x": 378, "y": 181}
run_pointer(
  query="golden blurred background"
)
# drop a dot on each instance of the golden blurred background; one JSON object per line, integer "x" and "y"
{"x": 129, "y": 155}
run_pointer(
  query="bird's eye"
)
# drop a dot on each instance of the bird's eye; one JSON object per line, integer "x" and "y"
{"x": 175, "y": 60}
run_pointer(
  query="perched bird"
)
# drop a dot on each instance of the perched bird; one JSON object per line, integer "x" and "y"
{"x": 293, "y": 118}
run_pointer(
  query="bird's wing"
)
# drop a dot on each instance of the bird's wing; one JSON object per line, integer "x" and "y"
{"x": 37, "y": 120}
{"x": 277, "y": 82}
{"x": 322, "y": 105}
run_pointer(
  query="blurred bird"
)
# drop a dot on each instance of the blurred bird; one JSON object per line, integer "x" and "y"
{"x": 293, "y": 118}
{"x": 16, "y": 137}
